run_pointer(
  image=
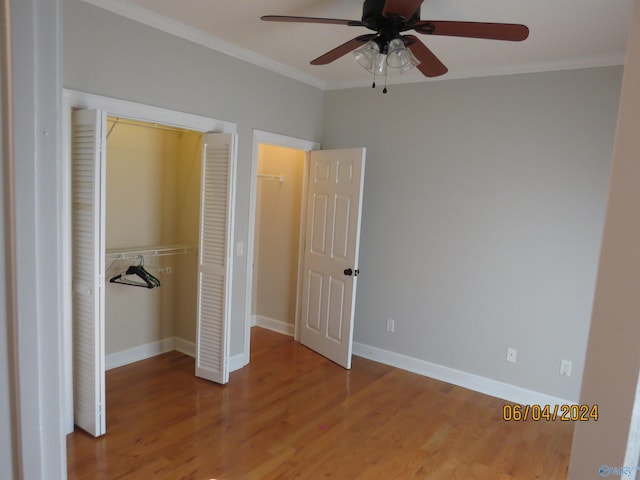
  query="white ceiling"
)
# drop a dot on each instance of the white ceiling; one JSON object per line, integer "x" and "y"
{"x": 564, "y": 34}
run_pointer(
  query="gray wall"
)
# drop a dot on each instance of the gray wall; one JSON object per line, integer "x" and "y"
{"x": 483, "y": 211}
{"x": 109, "y": 55}
{"x": 484, "y": 198}
{"x": 6, "y": 449}
{"x": 35, "y": 117}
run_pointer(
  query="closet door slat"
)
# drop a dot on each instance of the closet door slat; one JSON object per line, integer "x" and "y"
{"x": 87, "y": 190}
{"x": 215, "y": 260}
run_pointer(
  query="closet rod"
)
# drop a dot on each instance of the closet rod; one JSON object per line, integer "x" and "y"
{"x": 263, "y": 176}
{"x": 141, "y": 123}
{"x": 149, "y": 251}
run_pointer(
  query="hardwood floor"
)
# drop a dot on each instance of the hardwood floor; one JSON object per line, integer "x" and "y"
{"x": 291, "y": 414}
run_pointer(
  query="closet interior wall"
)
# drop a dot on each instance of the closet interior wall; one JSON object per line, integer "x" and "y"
{"x": 152, "y": 199}
{"x": 277, "y": 234}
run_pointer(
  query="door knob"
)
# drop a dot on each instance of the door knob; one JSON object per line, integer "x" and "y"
{"x": 348, "y": 272}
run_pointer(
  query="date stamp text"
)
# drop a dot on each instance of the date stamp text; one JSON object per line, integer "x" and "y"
{"x": 549, "y": 413}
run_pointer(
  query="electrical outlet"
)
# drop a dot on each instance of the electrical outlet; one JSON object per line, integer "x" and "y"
{"x": 511, "y": 355}
{"x": 391, "y": 325}
{"x": 565, "y": 368}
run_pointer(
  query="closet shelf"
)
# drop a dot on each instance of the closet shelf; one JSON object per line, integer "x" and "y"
{"x": 272, "y": 178}
{"x": 147, "y": 251}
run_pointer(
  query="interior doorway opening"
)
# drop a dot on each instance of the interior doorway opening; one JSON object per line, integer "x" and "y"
{"x": 293, "y": 150}
{"x": 152, "y": 218}
{"x": 84, "y": 194}
{"x": 279, "y": 202}
{"x": 328, "y": 226}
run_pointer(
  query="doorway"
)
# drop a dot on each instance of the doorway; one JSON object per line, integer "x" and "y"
{"x": 152, "y": 205}
{"x": 218, "y": 163}
{"x": 277, "y": 237}
{"x": 327, "y": 257}
{"x": 294, "y": 150}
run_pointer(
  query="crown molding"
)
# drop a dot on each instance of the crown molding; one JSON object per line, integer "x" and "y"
{"x": 599, "y": 61}
{"x": 179, "y": 29}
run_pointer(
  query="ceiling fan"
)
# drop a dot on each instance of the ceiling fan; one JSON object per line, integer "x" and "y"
{"x": 388, "y": 48}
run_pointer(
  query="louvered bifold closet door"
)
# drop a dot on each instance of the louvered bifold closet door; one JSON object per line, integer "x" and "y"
{"x": 214, "y": 270}
{"x": 87, "y": 177}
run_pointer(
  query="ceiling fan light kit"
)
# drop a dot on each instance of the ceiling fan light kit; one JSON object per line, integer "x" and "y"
{"x": 375, "y": 58}
{"x": 387, "y": 48}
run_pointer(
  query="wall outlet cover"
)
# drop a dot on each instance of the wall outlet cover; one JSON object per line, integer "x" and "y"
{"x": 565, "y": 368}
{"x": 391, "y": 325}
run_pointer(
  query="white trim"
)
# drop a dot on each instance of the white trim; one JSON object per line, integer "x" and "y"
{"x": 302, "y": 231}
{"x": 488, "y": 386}
{"x": 148, "y": 350}
{"x": 573, "y": 64}
{"x": 184, "y": 346}
{"x": 237, "y": 362}
{"x": 116, "y": 107}
{"x": 146, "y": 113}
{"x": 141, "y": 352}
{"x": 274, "y": 325}
{"x": 33, "y": 31}
{"x": 181, "y": 30}
{"x": 260, "y": 136}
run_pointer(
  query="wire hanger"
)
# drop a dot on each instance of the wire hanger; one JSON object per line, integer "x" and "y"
{"x": 148, "y": 280}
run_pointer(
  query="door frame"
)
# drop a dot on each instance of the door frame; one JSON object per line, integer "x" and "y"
{"x": 263, "y": 137}
{"x": 73, "y": 99}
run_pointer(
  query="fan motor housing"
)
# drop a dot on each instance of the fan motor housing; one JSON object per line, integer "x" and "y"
{"x": 372, "y": 14}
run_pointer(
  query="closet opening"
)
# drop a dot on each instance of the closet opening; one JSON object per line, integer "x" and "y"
{"x": 303, "y": 243}
{"x": 276, "y": 250}
{"x": 277, "y": 212}
{"x": 149, "y": 202}
{"x": 152, "y": 212}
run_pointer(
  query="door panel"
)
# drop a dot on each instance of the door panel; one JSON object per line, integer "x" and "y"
{"x": 88, "y": 247}
{"x": 215, "y": 259}
{"x": 334, "y": 201}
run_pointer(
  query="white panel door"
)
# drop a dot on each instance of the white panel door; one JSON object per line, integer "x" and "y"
{"x": 88, "y": 247}
{"x": 214, "y": 266}
{"x": 330, "y": 262}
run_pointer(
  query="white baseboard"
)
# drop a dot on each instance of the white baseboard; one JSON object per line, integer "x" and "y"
{"x": 184, "y": 346}
{"x": 236, "y": 362}
{"x": 141, "y": 352}
{"x": 494, "y": 388}
{"x": 272, "y": 324}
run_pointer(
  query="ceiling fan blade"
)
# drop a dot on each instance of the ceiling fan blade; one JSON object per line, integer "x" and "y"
{"x": 401, "y": 8}
{"x": 332, "y": 21}
{"x": 341, "y": 50}
{"x": 492, "y": 31}
{"x": 430, "y": 65}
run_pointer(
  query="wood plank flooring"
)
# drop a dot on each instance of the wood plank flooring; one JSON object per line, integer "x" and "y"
{"x": 291, "y": 414}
